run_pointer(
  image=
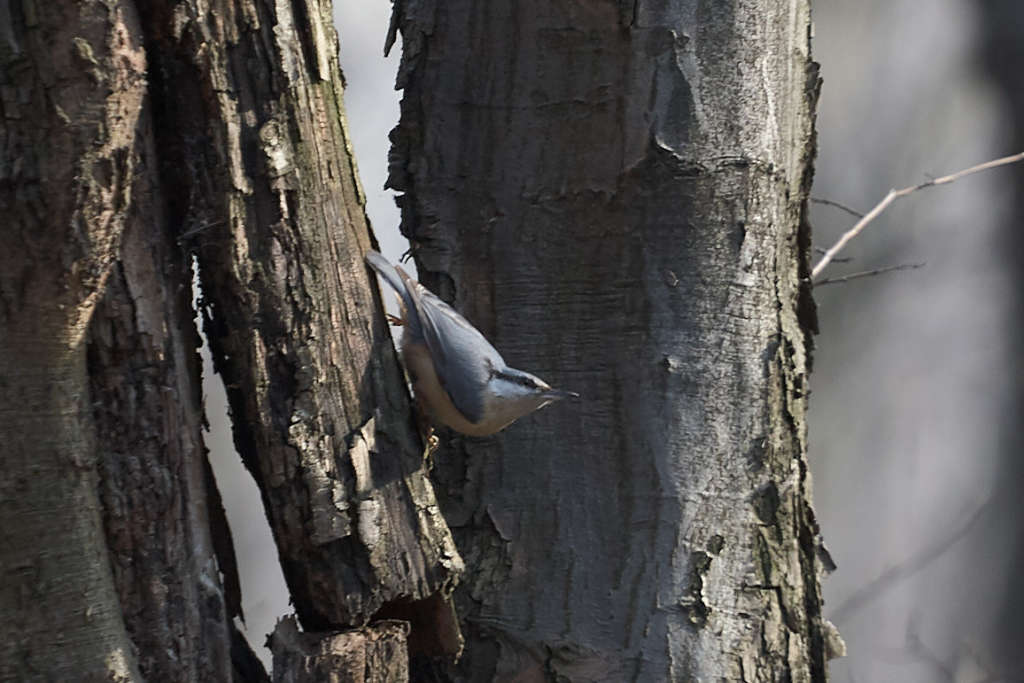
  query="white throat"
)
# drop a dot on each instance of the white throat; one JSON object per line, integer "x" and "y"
{"x": 508, "y": 400}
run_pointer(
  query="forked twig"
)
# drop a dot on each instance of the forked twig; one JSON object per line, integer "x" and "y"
{"x": 868, "y": 273}
{"x": 837, "y": 259}
{"x": 836, "y": 205}
{"x": 896, "y": 194}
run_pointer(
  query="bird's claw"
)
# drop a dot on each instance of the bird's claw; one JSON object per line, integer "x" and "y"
{"x": 428, "y": 453}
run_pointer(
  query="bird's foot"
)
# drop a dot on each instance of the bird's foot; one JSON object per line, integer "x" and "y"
{"x": 397, "y": 320}
{"x": 432, "y": 443}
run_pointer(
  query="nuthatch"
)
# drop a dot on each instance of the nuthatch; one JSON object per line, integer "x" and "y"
{"x": 457, "y": 376}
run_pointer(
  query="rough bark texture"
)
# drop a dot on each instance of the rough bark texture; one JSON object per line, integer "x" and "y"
{"x": 71, "y": 87}
{"x": 376, "y": 654}
{"x": 155, "y": 481}
{"x": 614, "y": 193}
{"x": 250, "y": 122}
{"x": 241, "y": 159}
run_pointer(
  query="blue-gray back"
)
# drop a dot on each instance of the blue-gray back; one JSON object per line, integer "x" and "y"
{"x": 463, "y": 358}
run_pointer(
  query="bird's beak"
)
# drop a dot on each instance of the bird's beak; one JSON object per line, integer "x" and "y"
{"x": 558, "y": 394}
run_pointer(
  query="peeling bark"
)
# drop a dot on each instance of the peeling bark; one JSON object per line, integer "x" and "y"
{"x": 257, "y": 158}
{"x": 376, "y": 654}
{"x": 615, "y": 194}
{"x": 241, "y": 160}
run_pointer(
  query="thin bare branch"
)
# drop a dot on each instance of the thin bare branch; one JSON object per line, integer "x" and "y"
{"x": 837, "y": 259}
{"x": 896, "y": 194}
{"x": 917, "y": 649}
{"x": 868, "y": 273}
{"x": 837, "y": 205}
{"x": 915, "y": 563}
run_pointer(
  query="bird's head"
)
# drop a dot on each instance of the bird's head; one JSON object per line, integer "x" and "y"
{"x": 513, "y": 393}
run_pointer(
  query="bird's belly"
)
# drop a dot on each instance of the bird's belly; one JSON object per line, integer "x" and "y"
{"x": 432, "y": 395}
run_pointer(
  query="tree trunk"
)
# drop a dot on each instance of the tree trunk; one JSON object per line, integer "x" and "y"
{"x": 155, "y": 481}
{"x": 72, "y": 83}
{"x": 257, "y": 164}
{"x": 615, "y": 194}
{"x": 241, "y": 161}
{"x": 376, "y": 654}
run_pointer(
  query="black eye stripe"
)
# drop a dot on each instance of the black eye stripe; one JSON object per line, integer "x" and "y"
{"x": 525, "y": 381}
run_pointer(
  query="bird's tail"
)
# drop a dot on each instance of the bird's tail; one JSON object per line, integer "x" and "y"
{"x": 387, "y": 271}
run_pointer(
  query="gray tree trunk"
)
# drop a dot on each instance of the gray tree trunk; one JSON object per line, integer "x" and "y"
{"x": 615, "y": 194}
{"x": 72, "y": 82}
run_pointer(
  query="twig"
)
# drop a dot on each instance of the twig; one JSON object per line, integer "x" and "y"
{"x": 896, "y": 194}
{"x": 921, "y": 652}
{"x": 837, "y": 259}
{"x": 868, "y": 273}
{"x": 911, "y": 566}
{"x": 837, "y": 205}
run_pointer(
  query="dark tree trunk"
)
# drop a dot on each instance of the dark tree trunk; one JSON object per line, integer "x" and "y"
{"x": 615, "y": 194}
{"x": 257, "y": 163}
{"x": 376, "y": 654}
{"x": 235, "y": 155}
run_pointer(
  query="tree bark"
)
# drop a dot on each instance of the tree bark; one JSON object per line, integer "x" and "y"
{"x": 615, "y": 194}
{"x": 376, "y": 654}
{"x": 250, "y": 123}
{"x": 160, "y": 502}
{"x": 241, "y": 161}
{"x": 72, "y": 83}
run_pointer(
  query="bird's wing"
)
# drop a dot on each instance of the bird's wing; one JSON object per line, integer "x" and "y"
{"x": 390, "y": 274}
{"x": 463, "y": 358}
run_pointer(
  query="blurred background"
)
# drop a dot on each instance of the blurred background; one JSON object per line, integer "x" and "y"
{"x": 917, "y": 380}
{"x": 917, "y": 383}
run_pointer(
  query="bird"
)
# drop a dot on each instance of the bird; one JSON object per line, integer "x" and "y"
{"x": 458, "y": 378}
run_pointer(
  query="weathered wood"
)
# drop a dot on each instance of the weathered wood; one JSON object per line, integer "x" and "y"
{"x": 615, "y": 194}
{"x": 375, "y": 654}
{"x": 246, "y": 166}
{"x": 251, "y": 129}
{"x": 72, "y": 80}
{"x": 154, "y": 480}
